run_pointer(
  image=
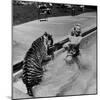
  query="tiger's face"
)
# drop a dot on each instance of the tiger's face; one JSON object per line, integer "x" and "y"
{"x": 47, "y": 39}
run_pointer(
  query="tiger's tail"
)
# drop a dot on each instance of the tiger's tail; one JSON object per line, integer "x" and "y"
{"x": 29, "y": 90}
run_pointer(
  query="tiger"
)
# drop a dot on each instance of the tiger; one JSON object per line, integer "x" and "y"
{"x": 32, "y": 64}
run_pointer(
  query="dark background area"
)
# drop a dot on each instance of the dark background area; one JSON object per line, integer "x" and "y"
{"x": 24, "y": 11}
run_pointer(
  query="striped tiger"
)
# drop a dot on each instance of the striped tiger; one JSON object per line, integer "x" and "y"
{"x": 32, "y": 64}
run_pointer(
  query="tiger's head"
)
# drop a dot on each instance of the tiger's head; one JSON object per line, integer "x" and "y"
{"x": 48, "y": 40}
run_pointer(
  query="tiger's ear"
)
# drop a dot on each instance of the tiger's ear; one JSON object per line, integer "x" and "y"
{"x": 45, "y": 35}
